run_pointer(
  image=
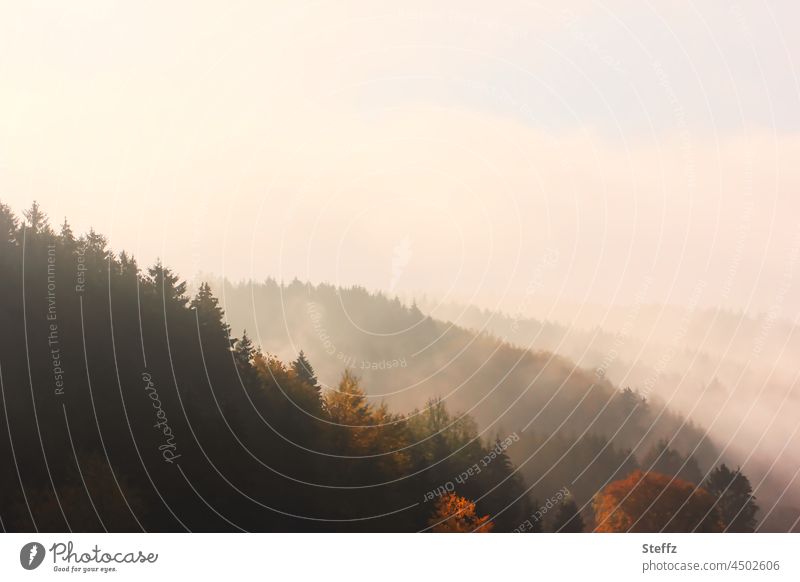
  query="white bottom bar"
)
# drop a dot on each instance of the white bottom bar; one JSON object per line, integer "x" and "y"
{"x": 387, "y": 557}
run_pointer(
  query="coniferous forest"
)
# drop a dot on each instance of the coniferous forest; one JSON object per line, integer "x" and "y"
{"x": 130, "y": 403}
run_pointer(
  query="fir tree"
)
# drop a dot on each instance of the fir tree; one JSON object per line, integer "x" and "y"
{"x": 8, "y": 225}
{"x": 243, "y": 352}
{"x": 128, "y": 267}
{"x": 302, "y": 368}
{"x": 167, "y": 284}
{"x": 209, "y": 314}
{"x": 37, "y": 219}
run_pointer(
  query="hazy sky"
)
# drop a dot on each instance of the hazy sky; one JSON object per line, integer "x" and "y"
{"x": 501, "y": 153}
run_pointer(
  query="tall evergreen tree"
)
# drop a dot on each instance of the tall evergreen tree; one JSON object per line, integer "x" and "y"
{"x": 243, "y": 352}
{"x": 128, "y": 267}
{"x": 209, "y": 313}
{"x": 302, "y": 368}
{"x": 8, "y": 225}
{"x": 67, "y": 236}
{"x": 535, "y": 523}
{"x": 37, "y": 220}
{"x": 166, "y": 283}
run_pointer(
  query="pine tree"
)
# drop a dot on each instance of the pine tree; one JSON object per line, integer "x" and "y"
{"x": 167, "y": 285}
{"x": 37, "y": 220}
{"x": 534, "y": 522}
{"x": 502, "y": 483}
{"x": 67, "y": 236}
{"x": 416, "y": 314}
{"x": 95, "y": 244}
{"x": 305, "y": 373}
{"x": 209, "y": 314}
{"x": 8, "y": 225}
{"x": 128, "y": 267}
{"x": 95, "y": 251}
{"x": 243, "y": 351}
{"x": 734, "y": 497}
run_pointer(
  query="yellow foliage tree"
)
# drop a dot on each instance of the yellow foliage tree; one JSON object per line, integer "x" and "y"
{"x": 362, "y": 429}
{"x": 653, "y": 502}
{"x": 454, "y": 514}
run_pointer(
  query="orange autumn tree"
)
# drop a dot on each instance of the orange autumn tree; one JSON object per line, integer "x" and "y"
{"x": 652, "y": 502}
{"x": 362, "y": 429}
{"x": 455, "y": 514}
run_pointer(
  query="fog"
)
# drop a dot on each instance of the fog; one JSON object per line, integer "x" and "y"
{"x": 637, "y": 143}
{"x": 616, "y": 184}
{"x": 729, "y": 376}
{"x": 736, "y": 376}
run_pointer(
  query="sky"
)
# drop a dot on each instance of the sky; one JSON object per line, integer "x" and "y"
{"x": 536, "y": 157}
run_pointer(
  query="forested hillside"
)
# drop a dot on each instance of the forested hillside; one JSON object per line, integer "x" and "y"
{"x": 129, "y": 405}
{"x": 406, "y": 356}
{"x": 577, "y": 429}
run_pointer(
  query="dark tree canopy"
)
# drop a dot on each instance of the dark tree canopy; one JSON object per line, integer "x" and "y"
{"x": 567, "y": 518}
{"x": 663, "y": 459}
{"x": 735, "y": 499}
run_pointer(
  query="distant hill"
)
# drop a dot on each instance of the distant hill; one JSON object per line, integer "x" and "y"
{"x": 731, "y": 373}
{"x": 131, "y": 403}
{"x": 405, "y": 357}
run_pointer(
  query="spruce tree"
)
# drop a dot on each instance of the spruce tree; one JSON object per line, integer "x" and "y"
{"x": 37, "y": 219}
{"x": 67, "y": 236}
{"x": 243, "y": 352}
{"x": 209, "y": 314}
{"x": 305, "y": 373}
{"x": 167, "y": 284}
{"x": 8, "y": 225}
{"x": 128, "y": 267}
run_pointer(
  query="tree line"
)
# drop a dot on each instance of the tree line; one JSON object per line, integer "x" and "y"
{"x": 130, "y": 405}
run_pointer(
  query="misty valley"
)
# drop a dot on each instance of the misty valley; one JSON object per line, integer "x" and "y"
{"x": 138, "y": 399}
